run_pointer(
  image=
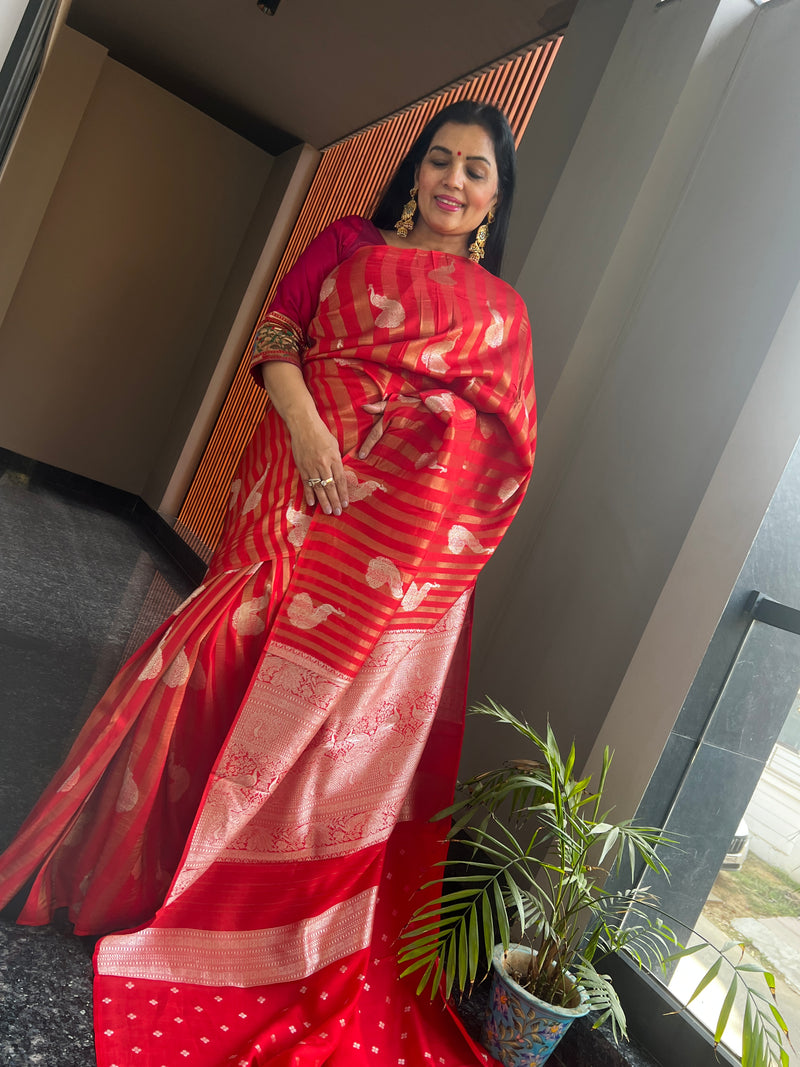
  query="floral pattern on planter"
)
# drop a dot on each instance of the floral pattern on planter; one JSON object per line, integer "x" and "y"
{"x": 520, "y": 1030}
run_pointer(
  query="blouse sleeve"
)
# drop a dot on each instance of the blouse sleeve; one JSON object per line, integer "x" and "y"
{"x": 282, "y": 329}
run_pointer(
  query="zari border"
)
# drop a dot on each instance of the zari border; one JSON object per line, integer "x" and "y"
{"x": 241, "y": 958}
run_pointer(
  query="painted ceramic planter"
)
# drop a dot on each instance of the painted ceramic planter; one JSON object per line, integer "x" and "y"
{"x": 520, "y": 1030}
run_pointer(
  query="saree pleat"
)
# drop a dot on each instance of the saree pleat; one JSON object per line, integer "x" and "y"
{"x": 251, "y": 799}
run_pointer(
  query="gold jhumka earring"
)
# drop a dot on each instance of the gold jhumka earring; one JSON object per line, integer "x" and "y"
{"x": 477, "y": 249}
{"x": 405, "y": 224}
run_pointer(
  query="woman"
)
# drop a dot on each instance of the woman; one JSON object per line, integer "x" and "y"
{"x": 255, "y": 787}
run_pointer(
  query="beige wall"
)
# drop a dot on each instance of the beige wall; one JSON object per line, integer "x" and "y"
{"x": 229, "y": 331}
{"x": 33, "y": 167}
{"x": 122, "y": 280}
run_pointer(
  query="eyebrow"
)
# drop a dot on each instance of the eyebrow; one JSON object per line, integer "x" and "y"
{"x": 441, "y": 148}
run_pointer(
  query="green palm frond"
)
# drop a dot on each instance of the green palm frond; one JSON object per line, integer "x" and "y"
{"x": 537, "y": 847}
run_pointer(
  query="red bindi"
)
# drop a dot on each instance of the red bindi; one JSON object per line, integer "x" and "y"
{"x": 458, "y": 153}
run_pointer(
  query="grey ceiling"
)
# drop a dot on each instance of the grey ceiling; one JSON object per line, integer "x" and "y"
{"x": 318, "y": 69}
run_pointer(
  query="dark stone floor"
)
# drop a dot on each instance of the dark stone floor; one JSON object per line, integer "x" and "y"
{"x": 80, "y": 587}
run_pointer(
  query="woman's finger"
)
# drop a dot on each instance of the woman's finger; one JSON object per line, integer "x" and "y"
{"x": 328, "y": 494}
{"x": 341, "y": 486}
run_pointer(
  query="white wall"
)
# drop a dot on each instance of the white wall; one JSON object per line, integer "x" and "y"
{"x": 660, "y": 285}
{"x": 11, "y": 12}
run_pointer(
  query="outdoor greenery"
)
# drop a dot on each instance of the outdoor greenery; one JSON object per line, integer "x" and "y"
{"x": 757, "y": 889}
{"x": 539, "y": 848}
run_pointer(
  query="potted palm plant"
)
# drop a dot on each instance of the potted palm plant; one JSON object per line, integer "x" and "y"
{"x": 526, "y": 898}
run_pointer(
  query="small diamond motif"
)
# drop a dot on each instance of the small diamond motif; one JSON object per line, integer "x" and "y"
{"x": 225, "y": 1028}
{"x": 375, "y": 1049}
{"x": 400, "y": 1063}
{"x": 178, "y": 1019}
{"x": 382, "y": 1025}
{"x": 136, "y": 1049}
{"x": 154, "y": 1003}
{"x": 303, "y": 988}
{"x": 343, "y": 969}
{"x": 356, "y": 1044}
{"x": 323, "y": 996}
{"x": 185, "y": 1052}
{"x": 197, "y": 1007}
{"x": 218, "y": 1000}
{"x": 174, "y": 989}
{"x": 131, "y": 1015}
{"x": 366, "y": 987}
{"x": 157, "y": 1033}
{"x": 292, "y": 1029}
{"x": 129, "y": 985}
{"x": 108, "y": 1033}
{"x": 106, "y": 1000}
{"x": 242, "y": 1015}
{"x": 262, "y": 1000}
{"x": 205, "y": 1040}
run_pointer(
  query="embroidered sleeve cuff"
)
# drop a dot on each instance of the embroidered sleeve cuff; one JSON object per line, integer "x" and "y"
{"x": 277, "y": 338}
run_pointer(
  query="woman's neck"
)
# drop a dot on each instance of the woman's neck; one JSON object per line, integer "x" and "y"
{"x": 456, "y": 246}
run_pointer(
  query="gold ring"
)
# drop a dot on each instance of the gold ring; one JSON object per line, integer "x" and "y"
{"x": 326, "y": 481}
{"x": 313, "y": 481}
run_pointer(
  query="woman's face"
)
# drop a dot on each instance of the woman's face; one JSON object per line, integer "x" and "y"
{"x": 458, "y": 184}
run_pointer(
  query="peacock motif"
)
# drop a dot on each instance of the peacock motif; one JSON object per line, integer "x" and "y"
{"x": 392, "y": 311}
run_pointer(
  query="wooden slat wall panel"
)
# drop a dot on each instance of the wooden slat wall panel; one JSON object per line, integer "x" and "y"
{"x": 347, "y": 182}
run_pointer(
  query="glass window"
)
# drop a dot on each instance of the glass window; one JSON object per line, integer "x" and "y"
{"x": 727, "y": 786}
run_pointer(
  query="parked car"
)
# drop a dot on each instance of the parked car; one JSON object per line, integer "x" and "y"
{"x": 739, "y": 847}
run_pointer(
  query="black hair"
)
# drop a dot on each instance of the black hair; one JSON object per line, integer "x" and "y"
{"x": 465, "y": 113}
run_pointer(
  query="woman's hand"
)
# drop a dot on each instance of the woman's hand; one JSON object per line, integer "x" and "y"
{"x": 376, "y": 432}
{"x": 315, "y": 449}
{"x": 319, "y": 462}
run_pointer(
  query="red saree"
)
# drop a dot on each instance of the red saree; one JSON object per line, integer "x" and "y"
{"x": 255, "y": 788}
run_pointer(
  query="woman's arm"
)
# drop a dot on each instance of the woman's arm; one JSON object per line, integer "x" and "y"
{"x": 315, "y": 449}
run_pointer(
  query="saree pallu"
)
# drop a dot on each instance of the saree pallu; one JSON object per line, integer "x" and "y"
{"x": 256, "y": 787}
